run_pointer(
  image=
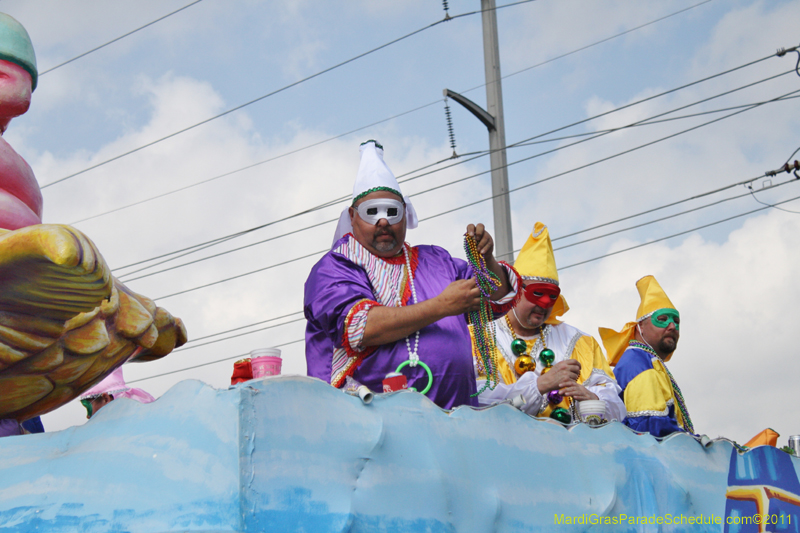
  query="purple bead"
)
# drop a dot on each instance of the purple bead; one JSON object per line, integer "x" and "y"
{"x": 554, "y": 397}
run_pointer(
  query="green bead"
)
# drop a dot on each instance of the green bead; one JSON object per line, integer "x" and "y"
{"x": 547, "y": 356}
{"x": 519, "y": 347}
{"x": 561, "y": 414}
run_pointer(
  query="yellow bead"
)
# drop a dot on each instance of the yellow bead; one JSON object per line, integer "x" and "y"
{"x": 524, "y": 363}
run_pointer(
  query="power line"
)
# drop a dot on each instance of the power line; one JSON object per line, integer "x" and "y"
{"x": 786, "y": 168}
{"x": 694, "y": 197}
{"x": 601, "y": 41}
{"x": 654, "y": 221}
{"x": 587, "y": 165}
{"x": 382, "y": 120}
{"x": 171, "y": 256}
{"x": 793, "y": 154}
{"x": 672, "y": 204}
{"x": 561, "y": 268}
{"x": 647, "y": 99}
{"x": 241, "y": 327}
{"x": 229, "y": 173}
{"x": 236, "y": 108}
{"x": 123, "y": 278}
{"x": 272, "y": 93}
{"x": 743, "y": 182}
{"x": 752, "y": 193}
{"x": 240, "y": 334}
{"x": 196, "y": 247}
{"x": 613, "y": 156}
{"x": 644, "y": 122}
{"x": 529, "y": 141}
{"x": 651, "y": 122}
{"x": 746, "y": 183}
{"x": 680, "y": 233}
{"x": 219, "y": 240}
{"x": 476, "y": 202}
{"x": 782, "y": 52}
{"x": 241, "y": 275}
{"x": 547, "y": 152}
{"x": 632, "y": 104}
{"x": 556, "y": 249}
{"x": 525, "y": 141}
{"x": 186, "y": 251}
{"x": 240, "y": 356}
{"x": 95, "y": 49}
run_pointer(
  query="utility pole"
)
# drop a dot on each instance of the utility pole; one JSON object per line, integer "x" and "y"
{"x": 497, "y": 136}
{"x": 492, "y": 118}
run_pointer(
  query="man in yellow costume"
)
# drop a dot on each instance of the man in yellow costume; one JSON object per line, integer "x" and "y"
{"x": 638, "y": 353}
{"x": 550, "y": 363}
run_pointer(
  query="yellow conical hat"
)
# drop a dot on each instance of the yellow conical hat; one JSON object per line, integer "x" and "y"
{"x": 652, "y": 298}
{"x": 536, "y": 262}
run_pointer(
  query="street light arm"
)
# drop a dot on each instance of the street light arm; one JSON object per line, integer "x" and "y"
{"x": 472, "y": 107}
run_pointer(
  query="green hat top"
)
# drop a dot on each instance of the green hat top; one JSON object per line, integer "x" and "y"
{"x": 16, "y": 46}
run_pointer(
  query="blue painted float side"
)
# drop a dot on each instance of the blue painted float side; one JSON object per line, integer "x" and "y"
{"x": 167, "y": 466}
{"x": 294, "y": 454}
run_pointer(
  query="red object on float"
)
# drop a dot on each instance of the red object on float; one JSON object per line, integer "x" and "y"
{"x": 242, "y": 371}
{"x": 394, "y": 381}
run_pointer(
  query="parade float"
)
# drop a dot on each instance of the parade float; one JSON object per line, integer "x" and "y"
{"x": 290, "y": 453}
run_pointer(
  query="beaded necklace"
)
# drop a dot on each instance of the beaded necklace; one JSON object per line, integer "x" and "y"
{"x": 526, "y": 363}
{"x": 413, "y": 355}
{"x": 520, "y": 348}
{"x": 481, "y": 320}
{"x": 687, "y": 421}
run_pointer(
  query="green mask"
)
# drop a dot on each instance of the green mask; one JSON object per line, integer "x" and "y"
{"x": 672, "y": 317}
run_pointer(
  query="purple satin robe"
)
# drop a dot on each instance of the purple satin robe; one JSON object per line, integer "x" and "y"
{"x": 336, "y": 284}
{"x": 9, "y": 427}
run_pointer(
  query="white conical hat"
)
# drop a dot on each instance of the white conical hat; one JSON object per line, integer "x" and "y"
{"x": 373, "y": 175}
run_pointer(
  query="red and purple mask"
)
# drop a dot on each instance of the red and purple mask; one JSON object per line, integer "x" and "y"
{"x": 543, "y": 295}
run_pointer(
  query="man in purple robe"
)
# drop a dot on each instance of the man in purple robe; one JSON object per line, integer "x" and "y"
{"x": 374, "y": 302}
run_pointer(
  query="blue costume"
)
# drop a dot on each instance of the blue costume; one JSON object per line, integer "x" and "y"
{"x": 652, "y": 398}
{"x": 647, "y": 392}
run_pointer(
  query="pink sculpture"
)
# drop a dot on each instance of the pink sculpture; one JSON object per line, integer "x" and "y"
{"x": 20, "y": 197}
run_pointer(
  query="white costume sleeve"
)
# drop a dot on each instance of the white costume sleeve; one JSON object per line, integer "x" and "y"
{"x": 513, "y": 281}
{"x": 608, "y": 391}
{"x": 526, "y": 385}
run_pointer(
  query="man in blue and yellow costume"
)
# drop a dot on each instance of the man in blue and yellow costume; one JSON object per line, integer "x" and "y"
{"x": 550, "y": 363}
{"x": 652, "y": 397}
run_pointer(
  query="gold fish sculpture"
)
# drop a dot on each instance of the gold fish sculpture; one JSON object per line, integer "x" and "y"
{"x": 65, "y": 322}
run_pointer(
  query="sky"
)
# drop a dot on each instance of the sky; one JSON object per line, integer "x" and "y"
{"x": 729, "y": 269}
